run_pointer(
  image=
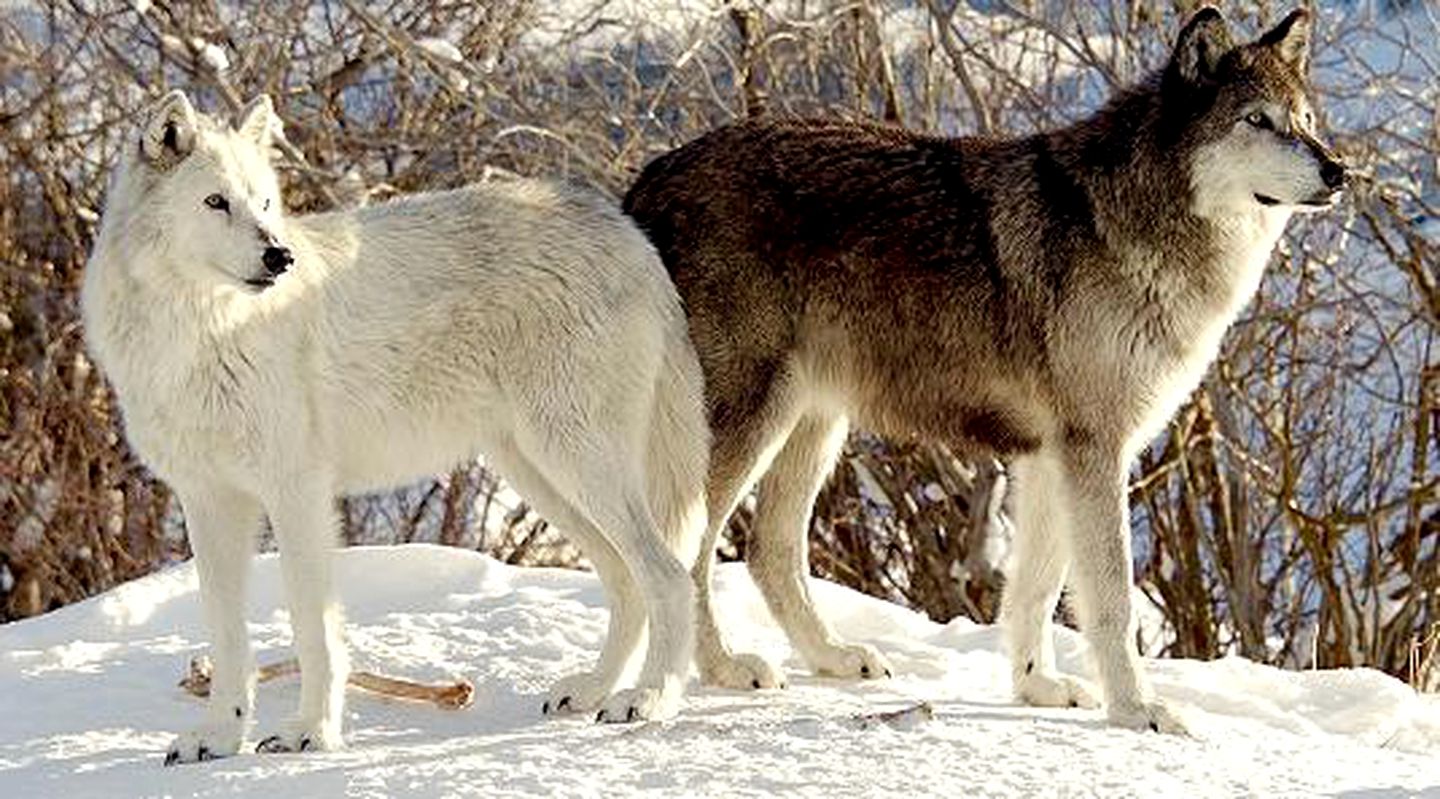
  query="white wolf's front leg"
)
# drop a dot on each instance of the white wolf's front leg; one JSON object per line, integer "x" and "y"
{"x": 302, "y": 515}
{"x": 1100, "y": 544}
{"x": 221, "y": 524}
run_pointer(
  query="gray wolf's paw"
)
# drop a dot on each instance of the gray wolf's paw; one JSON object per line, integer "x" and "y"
{"x": 639, "y": 704}
{"x": 299, "y": 735}
{"x": 741, "y": 672}
{"x": 208, "y": 742}
{"x": 1054, "y": 690}
{"x": 850, "y": 661}
{"x": 576, "y": 693}
{"x": 1153, "y": 715}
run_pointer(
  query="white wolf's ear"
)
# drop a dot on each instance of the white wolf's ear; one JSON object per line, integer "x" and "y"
{"x": 258, "y": 121}
{"x": 1291, "y": 39}
{"x": 169, "y": 132}
{"x": 1203, "y": 41}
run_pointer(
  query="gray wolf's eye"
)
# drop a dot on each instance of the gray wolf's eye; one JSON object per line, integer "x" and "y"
{"x": 1259, "y": 120}
{"x": 218, "y": 202}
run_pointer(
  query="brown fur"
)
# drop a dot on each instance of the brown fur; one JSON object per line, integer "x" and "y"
{"x": 1054, "y": 296}
{"x": 922, "y": 268}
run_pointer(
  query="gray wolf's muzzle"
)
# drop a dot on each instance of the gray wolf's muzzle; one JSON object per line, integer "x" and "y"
{"x": 1332, "y": 170}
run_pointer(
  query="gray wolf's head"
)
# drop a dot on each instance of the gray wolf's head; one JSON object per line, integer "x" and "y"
{"x": 1248, "y": 120}
{"x": 212, "y": 192}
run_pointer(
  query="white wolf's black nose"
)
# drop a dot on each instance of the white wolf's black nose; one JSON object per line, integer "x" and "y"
{"x": 276, "y": 260}
{"x": 1332, "y": 172}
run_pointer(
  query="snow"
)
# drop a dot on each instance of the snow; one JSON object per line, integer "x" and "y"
{"x": 575, "y": 26}
{"x": 441, "y": 49}
{"x": 210, "y": 54}
{"x": 90, "y": 702}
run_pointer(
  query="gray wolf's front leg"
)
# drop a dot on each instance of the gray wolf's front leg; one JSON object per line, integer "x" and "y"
{"x": 1100, "y": 545}
{"x": 1032, "y": 588}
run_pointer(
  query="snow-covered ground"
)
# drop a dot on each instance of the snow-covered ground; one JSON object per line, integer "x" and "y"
{"x": 88, "y": 702}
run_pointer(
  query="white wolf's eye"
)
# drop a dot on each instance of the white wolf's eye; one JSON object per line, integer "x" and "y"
{"x": 217, "y": 202}
{"x": 1259, "y": 120}
{"x": 266, "y": 207}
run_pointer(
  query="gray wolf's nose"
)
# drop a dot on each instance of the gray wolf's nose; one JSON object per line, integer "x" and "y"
{"x": 1332, "y": 172}
{"x": 276, "y": 260}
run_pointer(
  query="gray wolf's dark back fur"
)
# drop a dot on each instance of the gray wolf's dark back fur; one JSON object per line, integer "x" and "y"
{"x": 955, "y": 252}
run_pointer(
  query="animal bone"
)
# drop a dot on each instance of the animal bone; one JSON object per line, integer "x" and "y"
{"x": 446, "y": 696}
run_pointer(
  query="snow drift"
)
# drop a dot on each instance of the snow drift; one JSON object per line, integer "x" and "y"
{"x": 88, "y": 702}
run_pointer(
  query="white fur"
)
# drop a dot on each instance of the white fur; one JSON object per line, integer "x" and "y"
{"x": 519, "y": 319}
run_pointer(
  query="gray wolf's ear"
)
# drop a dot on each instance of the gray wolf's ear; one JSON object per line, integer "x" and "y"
{"x": 258, "y": 121}
{"x": 1291, "y": 39}
{"x": 1203, "y": 41}
{"x": 169, "y": 132}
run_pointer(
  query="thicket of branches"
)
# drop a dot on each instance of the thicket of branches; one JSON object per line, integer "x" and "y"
{"x": 1289, "y": 513}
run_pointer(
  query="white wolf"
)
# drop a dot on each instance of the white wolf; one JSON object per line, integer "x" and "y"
{"x": 266, "y": 363}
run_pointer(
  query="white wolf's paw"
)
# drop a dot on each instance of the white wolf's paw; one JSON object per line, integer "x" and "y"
{"x": 1054, "y": 690}
{"x": 300, "y": 735}
{"x": 576, "y": 693}
{"x": 850, "y": 661}
{"x": 1153, "y": 715}
{"x": 742, "y": 672}
{"x": 639, "y": 704}
{"x": 209, "y": 742}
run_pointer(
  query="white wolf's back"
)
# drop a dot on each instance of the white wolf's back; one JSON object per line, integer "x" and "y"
{"x": 441, "y": 310}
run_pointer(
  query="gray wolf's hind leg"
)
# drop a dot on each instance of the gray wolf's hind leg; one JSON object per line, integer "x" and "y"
{"x": 739, "y": 455}
{"x": 778, "y": 550}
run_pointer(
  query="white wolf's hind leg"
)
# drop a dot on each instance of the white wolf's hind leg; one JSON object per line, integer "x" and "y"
{"x": 221, "y": 525}
{"x": 778, "y": 556}
{"x": 1037, "y": 573}
{"x": 302, "y": 515}
{"x": 604, "y": 511}
{"x": 583, "y": 691}
{"x": 669, "y": 601}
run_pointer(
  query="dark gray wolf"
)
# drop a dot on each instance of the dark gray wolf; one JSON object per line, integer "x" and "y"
{"x": 1051, "y": 299}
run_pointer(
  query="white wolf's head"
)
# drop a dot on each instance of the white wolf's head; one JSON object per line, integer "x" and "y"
{"x": 208, "y": 196}
{"x": 1253, "y": 141}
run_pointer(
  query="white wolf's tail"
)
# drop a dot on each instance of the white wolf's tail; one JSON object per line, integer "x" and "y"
{"x": 678, "y": 452}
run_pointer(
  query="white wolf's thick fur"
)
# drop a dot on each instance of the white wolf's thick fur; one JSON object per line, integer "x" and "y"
{"x": 524, "y": 321}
